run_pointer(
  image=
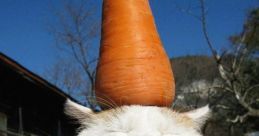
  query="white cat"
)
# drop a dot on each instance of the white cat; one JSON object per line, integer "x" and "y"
{"x": 137, "y": 121}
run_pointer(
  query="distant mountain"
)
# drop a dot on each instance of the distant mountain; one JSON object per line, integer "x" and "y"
{"x": 188, "y": 69}
{"x": 194, "y": 76}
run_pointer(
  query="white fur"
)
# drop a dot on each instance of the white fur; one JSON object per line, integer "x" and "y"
{"x": 139, "y": 121}
{"x": 199, "y": 116}
{"x": 198, "y": 113}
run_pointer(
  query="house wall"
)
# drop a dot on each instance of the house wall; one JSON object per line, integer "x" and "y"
{"x": 41, "y": 109}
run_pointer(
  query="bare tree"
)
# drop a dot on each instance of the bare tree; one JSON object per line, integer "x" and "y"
{"x": 75, "y": 31}
{"x": 237, "y": 97}
{"x": 68, "y": 77}
{"x": 236, "y": 82}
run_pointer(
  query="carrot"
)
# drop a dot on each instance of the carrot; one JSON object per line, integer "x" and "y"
{"x": 133, "y": 67}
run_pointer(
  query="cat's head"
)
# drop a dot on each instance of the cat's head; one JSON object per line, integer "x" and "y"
{"x": 137, "y": 121}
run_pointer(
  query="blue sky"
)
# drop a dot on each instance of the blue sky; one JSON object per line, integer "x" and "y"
{"x": 24, "y": 36}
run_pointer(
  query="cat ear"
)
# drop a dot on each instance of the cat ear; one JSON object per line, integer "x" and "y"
{"x": 77, "y": 111}
{"x": 199, "y": 116}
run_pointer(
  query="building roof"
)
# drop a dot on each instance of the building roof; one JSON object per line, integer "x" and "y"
{"x": 31, "y": 77}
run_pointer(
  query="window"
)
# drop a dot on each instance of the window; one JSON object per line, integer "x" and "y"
{"x": 3, "y": 124}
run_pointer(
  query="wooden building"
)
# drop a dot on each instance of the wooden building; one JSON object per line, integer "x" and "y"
{"x": 29, "y": 105}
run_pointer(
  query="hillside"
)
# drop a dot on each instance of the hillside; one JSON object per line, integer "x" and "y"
{"x": 188, "y": 69}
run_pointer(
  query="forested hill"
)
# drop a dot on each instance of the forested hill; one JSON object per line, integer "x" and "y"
{"x": 192, "y": 68}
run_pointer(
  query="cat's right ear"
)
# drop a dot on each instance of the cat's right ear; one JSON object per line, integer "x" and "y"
{"x": 78, "y": 112}
{"x": 199, "y": 116}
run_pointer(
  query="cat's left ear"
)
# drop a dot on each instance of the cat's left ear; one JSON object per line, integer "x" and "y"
{"x": 199, "y": 116}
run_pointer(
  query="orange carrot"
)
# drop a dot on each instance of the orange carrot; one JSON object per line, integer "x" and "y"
{"x": 133, "y": 67}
